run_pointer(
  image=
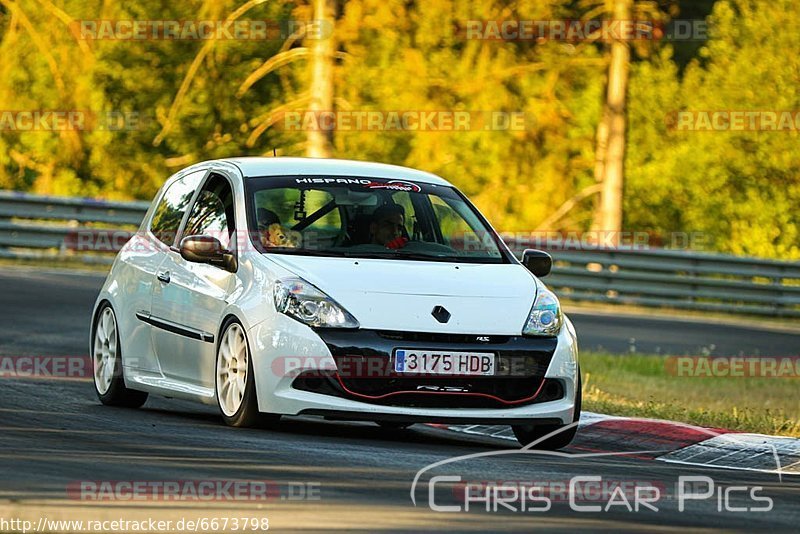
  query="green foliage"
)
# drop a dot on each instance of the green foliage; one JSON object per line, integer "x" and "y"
{"x": 742, "y": 188}
{"x": 135, "y": 77}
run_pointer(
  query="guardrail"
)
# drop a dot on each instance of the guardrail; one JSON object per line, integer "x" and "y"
{"x": 38, "y": 227}
{"x": 679, "y": 279}
{"x": 41, "y": 227}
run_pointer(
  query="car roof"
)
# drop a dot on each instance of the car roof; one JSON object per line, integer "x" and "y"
{"x": 252, "y": 167}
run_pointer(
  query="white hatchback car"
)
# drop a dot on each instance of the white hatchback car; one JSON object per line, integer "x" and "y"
{"x": 349, "y": 290}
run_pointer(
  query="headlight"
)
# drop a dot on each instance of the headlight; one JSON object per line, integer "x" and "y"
{"x": 545, "y": 318}
{"x": 298, "y": 299}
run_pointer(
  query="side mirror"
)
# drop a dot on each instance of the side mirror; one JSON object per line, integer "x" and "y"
{"x": 538, "y": 262}
{"x": 207, "y": 249}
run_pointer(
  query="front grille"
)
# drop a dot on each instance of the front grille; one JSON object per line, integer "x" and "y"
{"x": 366, "y": 372}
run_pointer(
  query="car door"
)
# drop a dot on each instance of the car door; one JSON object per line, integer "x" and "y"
{"x": 142, "y": 258}
{"x": 189, "y": 301}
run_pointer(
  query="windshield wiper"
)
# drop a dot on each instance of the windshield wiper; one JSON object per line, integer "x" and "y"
{"x": 400, "y": 254}
{"x": 377, "y": 255}
{"x": 421, "y": 256}
{"x": 303, "y": 252}
{"x": 446, "y": 257}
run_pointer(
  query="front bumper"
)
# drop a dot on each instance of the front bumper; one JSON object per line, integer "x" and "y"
{"x": 545, "y": 390}
{"x": 365, "y": 370}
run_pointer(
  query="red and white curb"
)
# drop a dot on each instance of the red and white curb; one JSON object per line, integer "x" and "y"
{"x": 677, "y": 443}
{"x": 749, "y": 452}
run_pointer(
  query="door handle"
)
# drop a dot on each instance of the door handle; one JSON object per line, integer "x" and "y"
{"x": 163, "y": 276}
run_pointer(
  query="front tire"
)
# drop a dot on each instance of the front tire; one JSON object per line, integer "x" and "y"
{"x": 235, "y": 386}
{"x": 526, "y": 434}
{"x": 109, "y": 380}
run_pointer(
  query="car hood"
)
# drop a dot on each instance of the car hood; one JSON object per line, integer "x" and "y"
{"x": 401, "y": 295}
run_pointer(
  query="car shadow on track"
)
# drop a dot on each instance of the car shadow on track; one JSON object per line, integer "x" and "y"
{"x": 317, "y": 427}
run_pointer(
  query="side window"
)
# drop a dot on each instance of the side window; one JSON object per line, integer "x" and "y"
{"x": 170, "y": 211}
{"x": 213, "y": 212}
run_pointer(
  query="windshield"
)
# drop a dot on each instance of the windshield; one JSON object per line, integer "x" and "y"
{"x": 368, "y": 218}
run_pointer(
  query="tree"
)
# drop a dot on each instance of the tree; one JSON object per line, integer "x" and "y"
{"x": 738, "y": 190}
{"x": 323, "y": 49}
{"x": 611, "y": 131}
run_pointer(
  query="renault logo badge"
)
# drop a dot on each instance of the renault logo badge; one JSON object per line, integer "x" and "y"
{"x": 441, "y": 314}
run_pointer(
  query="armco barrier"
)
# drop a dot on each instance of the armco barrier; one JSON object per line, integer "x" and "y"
{"x": 678, "y": 279}
{"x": 34, "y": 226}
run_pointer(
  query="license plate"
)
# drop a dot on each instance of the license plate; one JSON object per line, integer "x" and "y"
{"x": 443, "y": 363}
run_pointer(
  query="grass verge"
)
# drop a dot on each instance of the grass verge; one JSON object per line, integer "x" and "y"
{"x": 636, "y": 385}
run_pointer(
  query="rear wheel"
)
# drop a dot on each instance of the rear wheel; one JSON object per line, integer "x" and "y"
{"x": 526, "y": 434}
{"x": 109, "y": 381}
{"x": 235, "y": 385}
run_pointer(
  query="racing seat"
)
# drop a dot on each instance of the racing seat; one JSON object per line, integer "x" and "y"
{"x": 358, "y": 230}
{"x": 265, "y": 217}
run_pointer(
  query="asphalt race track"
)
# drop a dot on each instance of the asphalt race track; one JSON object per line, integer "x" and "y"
{"x": 55, "y": 435}
{"x": 54, "y": 308}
